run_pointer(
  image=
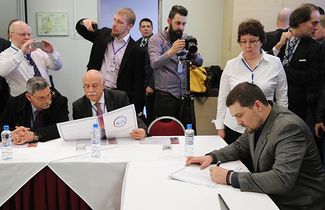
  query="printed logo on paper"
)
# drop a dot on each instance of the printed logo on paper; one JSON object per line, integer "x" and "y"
{"x": 120, "y": 121}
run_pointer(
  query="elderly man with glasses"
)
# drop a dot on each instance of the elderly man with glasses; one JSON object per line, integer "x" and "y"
{"x": 26, "y": 58}
{"x": 32, "y": 116}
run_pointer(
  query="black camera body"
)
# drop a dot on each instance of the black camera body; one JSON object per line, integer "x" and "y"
{"x": 191, "y": 44}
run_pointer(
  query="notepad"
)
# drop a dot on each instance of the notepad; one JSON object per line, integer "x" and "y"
{"x": 194, "y": 175}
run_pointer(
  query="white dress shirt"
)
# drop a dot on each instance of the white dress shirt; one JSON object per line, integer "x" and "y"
{"x": 269, "y": 75}
{"x": 15, "y": 68}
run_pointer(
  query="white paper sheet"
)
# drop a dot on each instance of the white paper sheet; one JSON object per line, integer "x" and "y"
{"x": 118, "y": 123}
{"x": 193, "y": 174}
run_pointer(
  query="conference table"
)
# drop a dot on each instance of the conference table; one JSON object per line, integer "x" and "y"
{"x": 129, "y": 175}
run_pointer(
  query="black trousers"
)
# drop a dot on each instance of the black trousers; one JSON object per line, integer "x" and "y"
{"x": 167, "y": 105}
{"x": 150, "y": 108}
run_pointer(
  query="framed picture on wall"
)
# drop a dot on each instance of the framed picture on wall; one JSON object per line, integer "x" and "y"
{"x": 52, "y": 23}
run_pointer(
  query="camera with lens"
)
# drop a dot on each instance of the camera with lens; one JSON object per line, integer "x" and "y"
{"x": 191, "y": 44}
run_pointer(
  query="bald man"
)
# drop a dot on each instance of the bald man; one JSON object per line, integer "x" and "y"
{"x": 109, "y": 100}
{"x": 17, "y": 63}
{"x": 282, "y": 24}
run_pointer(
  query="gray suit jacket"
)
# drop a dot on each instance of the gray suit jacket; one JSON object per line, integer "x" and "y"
{"x": 286, "y": 162}
{"x": 114, "y": 99}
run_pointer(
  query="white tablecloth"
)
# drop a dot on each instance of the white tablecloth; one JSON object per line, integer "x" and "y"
{"x": 128, "y": 174}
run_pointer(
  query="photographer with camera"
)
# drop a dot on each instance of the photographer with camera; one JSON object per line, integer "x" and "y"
{"x": 168, "y": 52}
{"x": 26, "y": 58}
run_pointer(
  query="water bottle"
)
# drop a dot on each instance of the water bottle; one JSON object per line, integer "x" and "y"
{"x": 95, "y": 141}
{"x": 189, "y": 140}
{"x": 6, "y": 138}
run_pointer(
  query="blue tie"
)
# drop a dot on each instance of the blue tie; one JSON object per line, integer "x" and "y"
{"x": 31, "y": 62}
{"x": 289, "y": 52}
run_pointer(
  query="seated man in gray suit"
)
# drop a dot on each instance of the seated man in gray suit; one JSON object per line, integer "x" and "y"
{"x": 97, "y": 98}
{"x": 287, "y": 165}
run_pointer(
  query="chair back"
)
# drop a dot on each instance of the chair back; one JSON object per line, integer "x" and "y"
{"x": 166, "y": 126}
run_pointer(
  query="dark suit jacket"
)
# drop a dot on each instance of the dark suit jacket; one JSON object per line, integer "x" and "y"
{"x": 149, "y": 79}
{"x": 19, "y": 113}
{"x": 131, "y": 74}
{"x": 272, "y": 38}
{"x": 302, "y": 73}
{"x": 114, "y": 99}
{"x": 320, "y": 107}
{"x": 287, "y": 165}
{"x": 4, "y": 87}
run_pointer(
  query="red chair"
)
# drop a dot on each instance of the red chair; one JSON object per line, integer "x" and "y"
{"x": 166, "y": 126}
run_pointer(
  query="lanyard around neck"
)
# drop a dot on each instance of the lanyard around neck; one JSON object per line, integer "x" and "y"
{"x": 120, "y": 47}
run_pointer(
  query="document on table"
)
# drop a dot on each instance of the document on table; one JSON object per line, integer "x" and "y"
{"x": 194, "y": 175}
{"x": 118, "y": 123}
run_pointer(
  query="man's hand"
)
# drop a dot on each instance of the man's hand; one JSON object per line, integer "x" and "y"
{"x": 149, "y": 91}
{"x": 89, "y": 24}
{"x": 26, "y": 47}
{"x": 138, "y": 134}
{"x": 318, "y": 128}
{"x": 203, "y": 161}
{"x": 22, "y": 135}
{"x": 48, "y": 47}
{"x": 283, "y": 40}
{"x": 218, "y": 174}
{"x": 177, "y": 46}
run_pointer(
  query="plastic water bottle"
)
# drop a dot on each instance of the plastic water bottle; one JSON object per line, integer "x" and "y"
{"x": 95, "y": 141}
{"x": 189, "y": 140}
{"x": 6, "y": 138}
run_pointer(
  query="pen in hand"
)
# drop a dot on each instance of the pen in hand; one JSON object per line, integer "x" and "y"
{"x": 218, "y": 163}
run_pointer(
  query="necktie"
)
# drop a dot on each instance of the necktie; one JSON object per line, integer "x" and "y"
{"x": 99, "y": 113}
{"x": 31, "y": 62}
{"x": 37, "y": 119}
{"x": 289, "y": 52}
{"x": 143, "y": 42}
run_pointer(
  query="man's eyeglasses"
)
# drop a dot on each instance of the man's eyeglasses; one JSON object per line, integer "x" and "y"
{"x": 43, "y": 98}
{"x": 23, "y": 34}
{"x": 249, "y": 42}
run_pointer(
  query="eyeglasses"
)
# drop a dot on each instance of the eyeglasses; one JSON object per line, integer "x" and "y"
{"x": 43, "y": 98}
{"x": 249, "y": 42}
{"x": 23, "y": 34}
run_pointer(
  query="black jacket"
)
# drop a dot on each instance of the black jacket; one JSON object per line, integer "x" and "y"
{"x": 131, "y": 74}
{"x": 19, "y": 113}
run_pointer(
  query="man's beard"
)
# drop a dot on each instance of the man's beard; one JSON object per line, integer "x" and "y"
{"x": 174, "y": 35}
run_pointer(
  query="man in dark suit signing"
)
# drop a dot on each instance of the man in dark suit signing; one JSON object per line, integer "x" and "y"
{"x": 299, "y": 54}
{"x": 33, "y": 115}
{"x": 116, "y": 55}
{"x": 98, "y": 100}
{"x": 287, "y": 165}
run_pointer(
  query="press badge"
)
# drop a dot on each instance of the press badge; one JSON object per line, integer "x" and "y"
{"x": 179, "y": 67}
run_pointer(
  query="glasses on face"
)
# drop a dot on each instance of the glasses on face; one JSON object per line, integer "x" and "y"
{"x": 44, "y": 98}
{"x": 23, "y": 34}
{"x": 249, "y": 42}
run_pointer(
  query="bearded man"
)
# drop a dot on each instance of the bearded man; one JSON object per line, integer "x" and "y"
{"x": 167, "y": 53}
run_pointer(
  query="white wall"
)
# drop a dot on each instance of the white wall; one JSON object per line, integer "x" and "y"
{"x": 204, "y": 21}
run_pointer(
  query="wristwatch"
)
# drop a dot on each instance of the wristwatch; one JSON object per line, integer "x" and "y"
{"x": 36, "y": 137}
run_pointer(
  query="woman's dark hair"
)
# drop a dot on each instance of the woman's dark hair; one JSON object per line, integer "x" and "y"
{"x": 252, "y": 27}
